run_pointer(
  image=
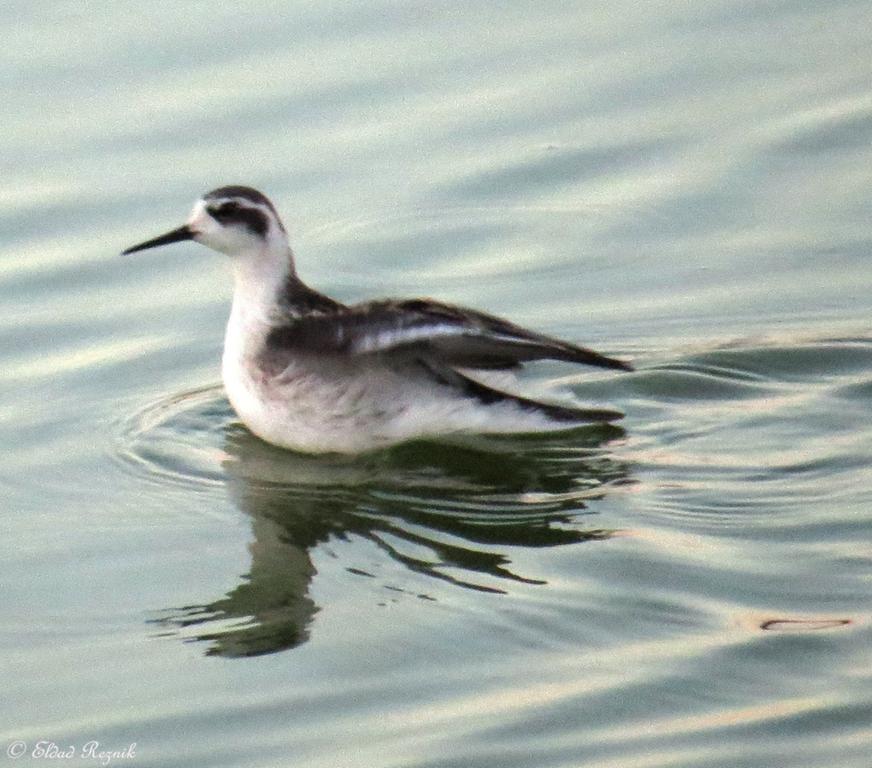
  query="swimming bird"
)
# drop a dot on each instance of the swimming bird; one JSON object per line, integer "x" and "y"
{"x": 309, "y": 373}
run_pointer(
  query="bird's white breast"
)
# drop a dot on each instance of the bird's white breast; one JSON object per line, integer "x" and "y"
{"x": 313, "y": 403}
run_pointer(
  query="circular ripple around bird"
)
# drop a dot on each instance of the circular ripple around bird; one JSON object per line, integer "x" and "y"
{"x": 179, "y": 438}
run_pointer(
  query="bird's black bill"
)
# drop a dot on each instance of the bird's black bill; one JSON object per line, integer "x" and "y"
{"x": 177, "y": 235}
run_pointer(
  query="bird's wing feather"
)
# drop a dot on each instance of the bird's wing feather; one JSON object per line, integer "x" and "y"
{"x": 452, "y": 335}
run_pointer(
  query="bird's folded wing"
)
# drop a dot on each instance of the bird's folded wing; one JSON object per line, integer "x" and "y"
{"x": 452, "y": 335}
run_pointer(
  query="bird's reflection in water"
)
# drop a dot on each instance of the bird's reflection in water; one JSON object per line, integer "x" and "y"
{"x": 462, "y": 504}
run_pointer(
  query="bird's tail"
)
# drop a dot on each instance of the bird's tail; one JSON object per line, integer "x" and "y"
{"x": 563, "y": 414}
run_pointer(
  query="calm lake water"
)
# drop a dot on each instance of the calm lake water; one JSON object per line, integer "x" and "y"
{"x": 684, "y": 185}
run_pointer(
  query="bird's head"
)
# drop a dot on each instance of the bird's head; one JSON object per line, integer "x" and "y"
{"x": 235, "y": 220}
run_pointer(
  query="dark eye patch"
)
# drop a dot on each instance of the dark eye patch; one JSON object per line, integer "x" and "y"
{"x": 231, "y": 212}
{"x": 228, "y": 211}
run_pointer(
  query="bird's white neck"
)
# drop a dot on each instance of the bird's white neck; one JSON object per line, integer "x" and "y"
{"x": 259, "y": 278}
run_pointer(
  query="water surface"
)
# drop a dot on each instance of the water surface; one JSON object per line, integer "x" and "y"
{"x": 686, "y": 187}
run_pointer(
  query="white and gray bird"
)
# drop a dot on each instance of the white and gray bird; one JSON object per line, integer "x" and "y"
{"x": 309, "y": 373}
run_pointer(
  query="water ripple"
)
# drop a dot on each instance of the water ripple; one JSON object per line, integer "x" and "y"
{"x": 176, "y": 439}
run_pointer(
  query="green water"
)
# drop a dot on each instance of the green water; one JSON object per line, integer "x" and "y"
{"x": 685, "y": 186}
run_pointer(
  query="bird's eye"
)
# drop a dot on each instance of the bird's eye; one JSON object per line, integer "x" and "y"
{"x": 224, "y": 212}
{"x": 232, "y": 213}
